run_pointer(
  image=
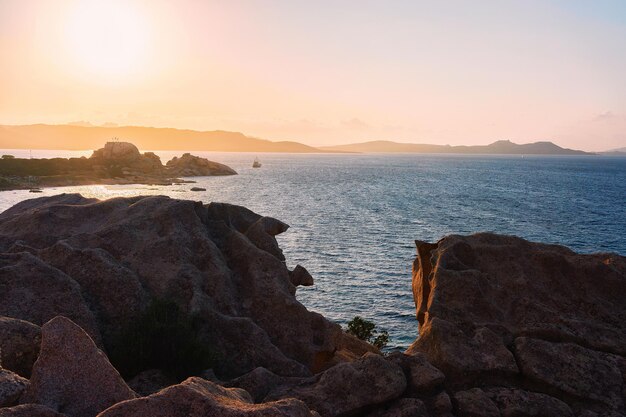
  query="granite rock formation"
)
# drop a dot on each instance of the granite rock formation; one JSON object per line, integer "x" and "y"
{"x": 507, "y": 327}
{"x": 99, "y": 263}
{"x": 189, "y": 165}
{"x": 523, "y": 328}
{"x": 72, "y": 375}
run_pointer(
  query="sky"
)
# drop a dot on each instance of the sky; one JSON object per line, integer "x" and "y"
{"x": 323, "y": 72}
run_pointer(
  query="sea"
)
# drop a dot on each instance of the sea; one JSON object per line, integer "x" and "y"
{"x": 354, "y": 217}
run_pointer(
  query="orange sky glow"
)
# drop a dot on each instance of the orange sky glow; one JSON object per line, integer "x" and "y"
{"x": 324, "y": 72}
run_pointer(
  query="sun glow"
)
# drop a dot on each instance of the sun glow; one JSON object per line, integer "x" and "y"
{"x": 107, "y": 38}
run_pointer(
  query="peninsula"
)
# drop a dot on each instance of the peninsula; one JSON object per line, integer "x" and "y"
{"x": 115, "y": 163}
{"x": 501, "y": 147}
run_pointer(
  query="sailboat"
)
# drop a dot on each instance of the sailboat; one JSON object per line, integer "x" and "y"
{"x": 256, "y": 163}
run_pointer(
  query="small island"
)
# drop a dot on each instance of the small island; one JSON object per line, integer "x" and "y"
{"x": 115, "y": 163}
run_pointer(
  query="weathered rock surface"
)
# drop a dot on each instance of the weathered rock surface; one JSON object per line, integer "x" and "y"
{"x": 193, "y": 166}
{"x": 29, "y": 410}
{"x": 421, "y": 376}
{"x": 544, "y": 324}
{"x": 197, "y": 397}
{"x": 100, "y": 263}
{"x": 72, "y": 375}
{"x": 11, "y": 387}
{"x": 19, "y": 345}
{"x": 348, "y": 388}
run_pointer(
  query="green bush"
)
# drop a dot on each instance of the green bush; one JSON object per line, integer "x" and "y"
{"x": 162, "y": 338}
{"x": 366, "y": 330}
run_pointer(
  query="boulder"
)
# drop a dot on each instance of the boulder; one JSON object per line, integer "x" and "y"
{"x": 72, "y": 375}
{"x": 441, "y": 405}
{"x": 348, "y": 388}
{"x": 11, "y": 387}
{"x": 300, "y": 276}
{"x": 197, "y": 397}
{"x": 574, "y": 370}
{"x": 117, "y": 151}
{"x": 475, "y": 403}
{"x": 189, "y": 165}
{"x": 422, "y": 377}
{"x": 29, "y": 410}
{"x": 19, "y": 345}
{"x": 545, "y": 322}
{"x": 101, "y": 263}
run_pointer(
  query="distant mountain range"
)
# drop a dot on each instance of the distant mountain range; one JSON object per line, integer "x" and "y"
{"x": 83, "y": 136}
{"x": 499, "y": 147}
{"x": 618, "y": 151}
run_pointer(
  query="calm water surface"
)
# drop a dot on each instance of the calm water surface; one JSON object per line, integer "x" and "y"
{"x": 354, "y": 217}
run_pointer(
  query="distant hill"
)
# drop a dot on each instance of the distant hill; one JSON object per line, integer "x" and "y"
{"x": 618, "y": 151}
{"x": 81, "y": 136}
{"x": 500, "y": 147}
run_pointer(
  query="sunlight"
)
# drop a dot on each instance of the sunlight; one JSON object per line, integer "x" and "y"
{"x": 107, "y": 38}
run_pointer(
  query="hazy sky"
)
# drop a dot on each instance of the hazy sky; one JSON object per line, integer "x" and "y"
{"x": 324, "y": 72}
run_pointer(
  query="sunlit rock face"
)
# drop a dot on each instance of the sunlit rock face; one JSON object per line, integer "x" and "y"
{"x": 191, "y": 166}
{"x": 534, "y": 326}
{"x": 100, "y": 263}
{"x": 117, "y": 151}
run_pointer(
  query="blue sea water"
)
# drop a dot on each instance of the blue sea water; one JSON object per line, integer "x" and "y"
{"x": 354, "y": 218}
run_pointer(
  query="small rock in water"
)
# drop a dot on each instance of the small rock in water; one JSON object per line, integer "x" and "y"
{"x": 198, "y": 189}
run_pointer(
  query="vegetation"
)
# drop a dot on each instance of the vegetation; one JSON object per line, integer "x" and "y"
{"x": 366, "y": 330}
{"x": 162, "y": 338}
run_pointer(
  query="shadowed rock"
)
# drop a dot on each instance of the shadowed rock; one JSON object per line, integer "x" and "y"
{"x": 260, "y": 381}
{"x": 19, "y": 345}
{"x": 422, "y": 377}
{"x": 11, "y": 387}
{"x": 348, "y": 388}
{"x": 72, "y": 375}
{"x": 197, "y": 397}
{"x": 404, "y": 407}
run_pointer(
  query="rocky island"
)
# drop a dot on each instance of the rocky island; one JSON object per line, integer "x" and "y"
{"x": 90, "y": 290}
{"x": 115, "y": 163}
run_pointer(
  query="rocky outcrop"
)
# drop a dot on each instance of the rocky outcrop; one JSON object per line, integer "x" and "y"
{"x": 115, "y": 163}
{"x": 507, "y": 327}
{"x": 522, "y": 328}
{"x": 189, "y": 165}
{"x": 117, "y": 151}
{"x": 197, "y": 397}
{"x": 72, "y": 375}
{"x": 100, "y": 263}
{"x": 348, "y": 388}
